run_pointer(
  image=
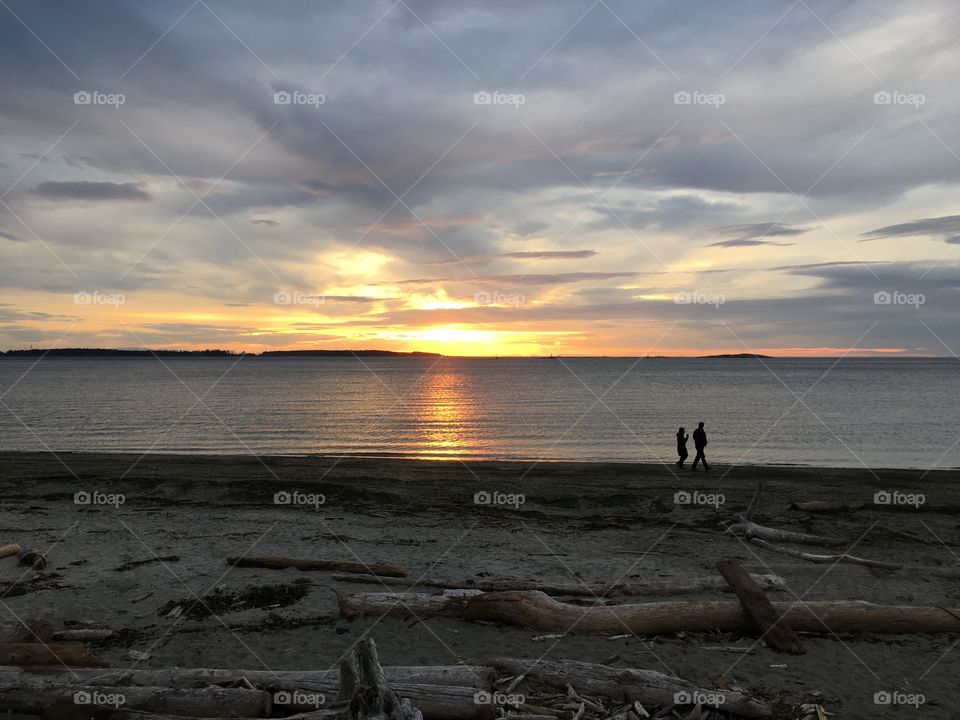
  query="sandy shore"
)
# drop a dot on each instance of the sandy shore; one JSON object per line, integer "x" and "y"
{"x": 598, "y": 523}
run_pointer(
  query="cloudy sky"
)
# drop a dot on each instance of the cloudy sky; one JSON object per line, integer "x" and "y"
{"x": 484, "y": 177}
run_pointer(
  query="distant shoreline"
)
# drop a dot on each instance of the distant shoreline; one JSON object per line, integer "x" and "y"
{"x": 98, "y": 353}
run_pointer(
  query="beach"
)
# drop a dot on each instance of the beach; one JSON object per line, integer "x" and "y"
{"x": 130, "y": 537}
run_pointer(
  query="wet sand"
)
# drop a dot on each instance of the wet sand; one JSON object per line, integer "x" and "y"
{"x": 596, "y": 523}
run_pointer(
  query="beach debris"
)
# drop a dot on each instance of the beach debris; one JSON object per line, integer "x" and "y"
{"x": 283, "y": 563}
{"x": 749, "y": 529}
{"x": 223, "y": 600}
{"x": 42, "y": 653}
{"x": 603, "y": 690}
{"x": 361, "y": 688}
{"x": 83, "y": 634}
{"x": 664, "y": 588}
{"x": 140, "y": 598}
{"x": 364, "y": 687}
{"x": 137, "y": 563}
{"x": 138, "y": 655}
{"x": 776, "y": 634}
{"x": 36, "y": 560}
{"x": 816, "y": 558}
{"x": 8, "y": 550}
{"x": 538, "y": 611}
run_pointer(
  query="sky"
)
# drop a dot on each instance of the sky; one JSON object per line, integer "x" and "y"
{"x": 607, "y": 177}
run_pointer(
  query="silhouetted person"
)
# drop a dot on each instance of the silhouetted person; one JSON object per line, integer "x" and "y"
{"x": 682, "y": 438}
{"x": 700, "y": 442}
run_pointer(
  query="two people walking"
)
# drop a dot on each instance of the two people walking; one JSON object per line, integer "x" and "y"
{"x": 699, "y": 442}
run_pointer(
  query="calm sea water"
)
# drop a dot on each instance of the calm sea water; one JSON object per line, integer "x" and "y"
{"x": 882, "y": 413}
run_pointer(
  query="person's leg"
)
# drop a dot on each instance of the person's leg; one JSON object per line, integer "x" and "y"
{"x": 696, "y": 460}
{"x": 704, "y": 458}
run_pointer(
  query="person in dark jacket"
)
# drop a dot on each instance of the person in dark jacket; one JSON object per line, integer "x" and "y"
{"x": 700, "y": 443}
{"x": 682, "y": 438}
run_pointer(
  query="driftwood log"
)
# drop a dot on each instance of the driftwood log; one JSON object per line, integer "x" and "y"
{"x": 283, "y": 563}
{"x": 441, "y": 693}
{"x": 664, "y": 588}
{"x": 38, "y": 653}
{"x": 538, "y": 611}
{"x": 647, "y": 687}
{"x": 364, "y": 686}
{"x": 541, "y": 612}
{"x": 749, "y": 529}
{"x": 819, "y": 558}
{"x": 205, "y": 703}
{"x": 777, "y": 634}
{"x": 8, "y": 550}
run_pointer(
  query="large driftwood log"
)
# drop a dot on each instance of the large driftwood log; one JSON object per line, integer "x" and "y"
{"x": 541, "y": 612}
{"x": 817, "y": 558}
{"x": 364, "y": 686}
{"x": 655, "y": 588}
{"x": 448, "y": 602}
{"x": 749, "y": 529}
{"x": 468, "y": 676}
{"x": 441, "y": 693}
{"x": 283, "y": 563}
{"x": 647, "y": 687}
{"x": 8, "y": 550}
{"x": 208, "y": 702}
{"x": 776, "y": 633}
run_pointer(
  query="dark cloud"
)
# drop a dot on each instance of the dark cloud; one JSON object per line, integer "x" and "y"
{"x": 10, "y": 236}
{"x": 265, "y": 221}
{"x": 754, "y": 234}
{"x": 946, "y": 228}
{"x": 91, "y": 191}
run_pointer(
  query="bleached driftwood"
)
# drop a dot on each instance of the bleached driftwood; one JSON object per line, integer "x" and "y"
{"x": 749, "y": 529}
{"x": 647, "y": 687}
{"x": 538, "y": 611}
{"x": 208, "y": 702}
{"x": 653, "y": 588}
{"x": 441, "y": 693}
{"x": 817, "y": 558}
{"x": 8, "y": 550}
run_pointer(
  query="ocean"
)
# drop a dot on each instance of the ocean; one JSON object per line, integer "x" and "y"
{"x": 852, "y": 413}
